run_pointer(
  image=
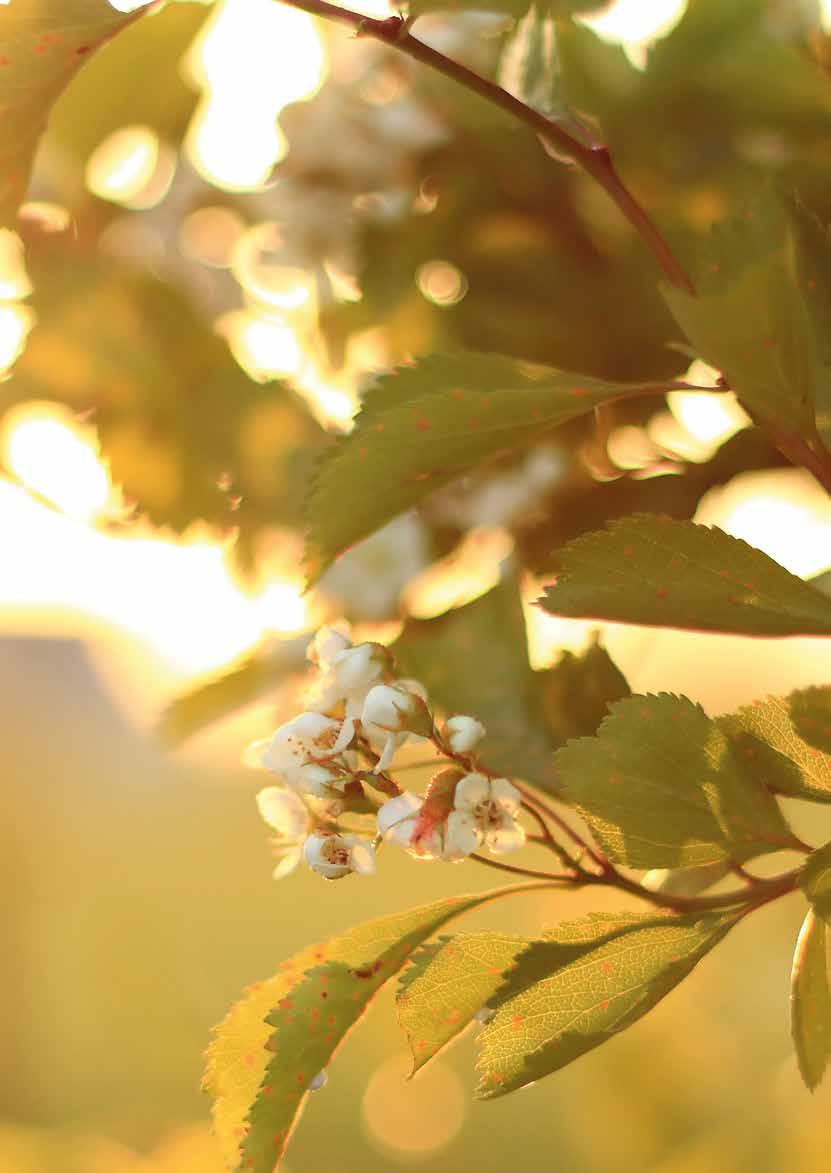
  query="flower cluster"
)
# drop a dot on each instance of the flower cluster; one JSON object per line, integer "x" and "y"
{"x": 334, "y": 766}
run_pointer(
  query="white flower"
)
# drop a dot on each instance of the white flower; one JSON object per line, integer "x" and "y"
{"x": 286, "y": 814}
{"x": 334, "y": 856}
{"x": 397, "y": 818}
{"x": 399, "y": 823}
{"x": 391, "y": 712}
{"x": 489, "y": 808}
{"x": 326, "y": 646}
{"x": 349, "y": 675}
{"x": 463, "y": 734}
{"x": 307, "y": 738}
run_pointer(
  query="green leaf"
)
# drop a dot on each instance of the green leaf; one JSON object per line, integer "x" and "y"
{"x": 578, "y": 690}
{"x": 41, "y": 49}
{"x": 757, "y": 316}
{"x": 810, "y": 710}
{"x": 660, "y": 788}
{"x": 474, "y": 660}
{"x": 815, "y": 880}
{"x": 426, "y": 425}
{"x": 766, "y": 740}
{"x": 604, "y": 973}
{"x": 443, "y": 989}
{"x": 274, "y": 1042}
{"x": 811, "y": 1001}
{"x": 652, "y": 570}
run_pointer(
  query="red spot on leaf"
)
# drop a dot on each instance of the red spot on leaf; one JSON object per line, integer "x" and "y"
{"x": 423, "y": 425}
{"x": 285, "y": 1004}
{"x": 578, "y": 392}
{"x": 662, "y": 592}
{"x": 607, "y": 967}
{"x": 628, "y": 551}
{"x": 615, "y": 780}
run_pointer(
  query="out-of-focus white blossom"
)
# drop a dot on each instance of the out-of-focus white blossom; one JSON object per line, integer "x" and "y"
{"x": 288, "y": 817}
{"x": 326, "y": 646}
{"x": 491, "y": 807}
{"x": 463, "y": 734}
{"x": 348, "y": 673}
{"x": 391, "y": 713}
{"x": 335, "y": 856}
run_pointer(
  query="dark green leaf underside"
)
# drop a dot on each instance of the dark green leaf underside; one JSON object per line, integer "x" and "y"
{"x": 426, "y": 425}
{"x": 659, "y": 572}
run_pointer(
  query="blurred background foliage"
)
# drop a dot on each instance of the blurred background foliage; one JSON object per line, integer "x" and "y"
{"x": 201, "y": 295}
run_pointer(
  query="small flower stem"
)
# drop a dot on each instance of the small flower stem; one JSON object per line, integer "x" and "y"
{"x": 568, "y": 879}
{"x": 594, "y": 159}
{"x": 759, "y": 893}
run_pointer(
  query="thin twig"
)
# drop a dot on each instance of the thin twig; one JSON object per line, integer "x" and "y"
{"x": 594, "y": 159}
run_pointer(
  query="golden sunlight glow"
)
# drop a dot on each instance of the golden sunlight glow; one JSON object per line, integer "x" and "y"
{"x": 282, "y": 607}
{"x": 16, "y": 321}
{"x": 132, "y": 167}
{"x": 635, "y": 24}
{"x": 417, "y": 1124}
{"x": 14, "y": 280}
{"x": 265, "y": 346}
{"x": 462, "y": 576}
{"x": 52, "y": 455}
{"x": 252, "y": 58}
{"x": 278, "y": 286}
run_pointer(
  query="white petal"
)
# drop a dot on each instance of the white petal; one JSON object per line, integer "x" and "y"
{"x": 254, "y": 753}
{"x": 471, "y": 790}
{"x": 344, "y": 738}
{"x": 463, "y": 733}
{"x": 402, "y": 835}
{"x": 327, "y": 646}
{"x": 396, "y": 810}
{"x": 388, "y": 753}
{"x": 509, "y": 837}
{"x": 461, "y": 837}
{"x": 282, "y": 810}
{"x": 415, "y": 687}
{"x": 505, "y": 795}
{"x": 287, "y": 863}
{"x": 362, "y": 858}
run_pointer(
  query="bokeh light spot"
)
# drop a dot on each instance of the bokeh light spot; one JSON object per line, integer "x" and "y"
{"x": 414, "y": 1120}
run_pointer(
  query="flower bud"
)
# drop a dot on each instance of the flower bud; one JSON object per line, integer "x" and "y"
{"x": 463, "y": 734}
{"x": 395, "y": 709}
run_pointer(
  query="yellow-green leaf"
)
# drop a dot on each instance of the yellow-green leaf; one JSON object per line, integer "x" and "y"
{"x": 767, "y": 742}
{"x": 811, "y": 1000}
{"x": 42, "y": 45}
{"x": 286, "y": 1030}
{"x": 444, "y": 989}
{"x": 815, "y": 880}
{"x": 604, "y": 973}
{"x": 661, "y": 788}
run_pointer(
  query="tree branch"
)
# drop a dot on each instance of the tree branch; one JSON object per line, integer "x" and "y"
{"x": 595, "y": 160}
